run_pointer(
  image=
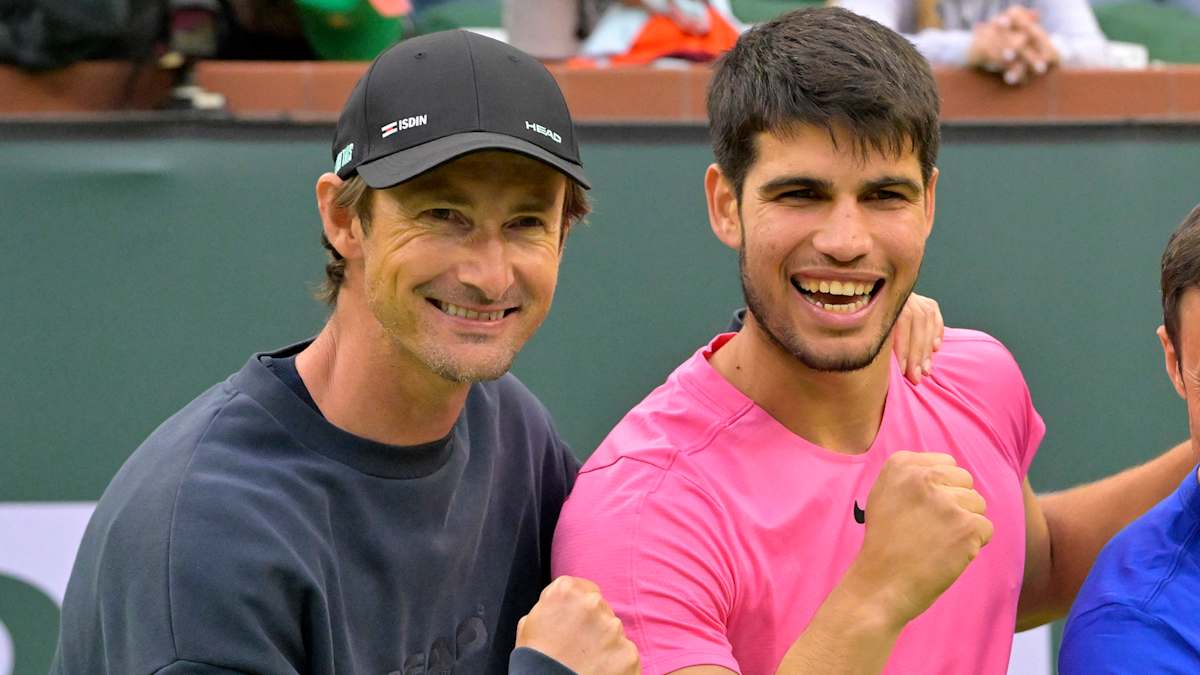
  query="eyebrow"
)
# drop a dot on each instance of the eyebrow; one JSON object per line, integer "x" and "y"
{"x": 826, "y": 186}
{"x": 892, "y": 181}
{"x": 455, "y": 199}
{"x": 796, "y": 181}
{"x": 534, "y": 204}
{"x": 448, "y": 192}
{"x": 443, "y": 191}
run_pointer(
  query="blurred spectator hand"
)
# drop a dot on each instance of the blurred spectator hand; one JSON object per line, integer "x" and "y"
{"x": 1014, "y": 45}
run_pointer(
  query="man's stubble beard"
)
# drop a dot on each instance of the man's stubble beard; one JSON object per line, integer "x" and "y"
{"x": 780, "y": 334}
{"x": 433, "y": 356}
{"x": 445, "y": 366}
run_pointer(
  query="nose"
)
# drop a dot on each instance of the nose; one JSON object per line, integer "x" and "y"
{"x": 845, "y": 237}
{"x": 486, "y": 267}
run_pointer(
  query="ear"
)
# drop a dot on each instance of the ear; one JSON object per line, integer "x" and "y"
{"x": 565, "y": 225}
{"x": 341, "y": 225}
{"x": 1171, "y": 361}
{"x": 931, "y": 199}
{"x": 562, "y": 237}
{"x": 723, "y": 214}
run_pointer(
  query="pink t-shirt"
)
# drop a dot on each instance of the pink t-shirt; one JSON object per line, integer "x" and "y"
{"x": 715, "y": 533}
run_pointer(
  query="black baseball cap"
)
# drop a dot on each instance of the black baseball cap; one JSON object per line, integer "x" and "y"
{"x": 430, "y": 99}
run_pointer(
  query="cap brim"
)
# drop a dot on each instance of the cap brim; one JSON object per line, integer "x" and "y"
{"x": 405, "y": 164}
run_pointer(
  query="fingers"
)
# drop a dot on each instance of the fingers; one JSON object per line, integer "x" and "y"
{"x": 1016, "y": 73}
{"x": 942, "y": 469}
{"x": 1013, "y": 44}
{"x": 939, "y": 327}
{"x": 918, "y": 342}
{"x": 573, "y": 624}
{"x": 1032, "y": 56}
{"x": 1046, "y": 52}
{"x": 976, "y": 524}
{"x": 571, "y": 584}
{"x": 1017, "y": 17}
{"x": 968, "y": 499}
{"x": 1038, "y": 52}
{"x": 952, "y": 476}
{"x": 901, "y": 339}
{"x": 985, "y": 528}
{"x": 925, "y": 330}
{"x": 921, "y": 458}
{"x": 987, "y": 47}
{"x": 1022, "y": 17}
{"x": 1016, "y": 43}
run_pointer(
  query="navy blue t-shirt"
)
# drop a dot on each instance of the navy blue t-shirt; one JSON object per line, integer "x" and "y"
{"x": 248, "y": 534}
{"x": 1137, "y": 612}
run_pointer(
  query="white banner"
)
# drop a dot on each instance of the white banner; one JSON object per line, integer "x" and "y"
{"x": 38, "y": 541}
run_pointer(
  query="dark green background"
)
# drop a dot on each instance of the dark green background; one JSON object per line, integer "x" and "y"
{"x": 144, "y": 261}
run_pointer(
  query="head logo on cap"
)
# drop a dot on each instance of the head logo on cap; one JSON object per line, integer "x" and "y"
{"x": 343, "y": 157}
{"x": 548, "y": 133}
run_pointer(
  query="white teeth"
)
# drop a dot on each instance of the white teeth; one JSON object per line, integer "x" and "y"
{"x": 847, "y": 308}
{"x": 847, "y": 288}
{"x": 455, "y": 310}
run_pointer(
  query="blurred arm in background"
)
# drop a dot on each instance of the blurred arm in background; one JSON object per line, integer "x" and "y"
{"x": 1012, "y": 40}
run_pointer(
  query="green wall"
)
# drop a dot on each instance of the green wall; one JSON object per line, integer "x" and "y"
{"x": 143, "y": 263}
{"x": 139, "y": 270}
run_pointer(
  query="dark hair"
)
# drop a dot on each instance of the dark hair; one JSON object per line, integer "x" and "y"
{"x": 822, "y": 66}
{"x": 355, "y": 194}
{"x": 1180, "y": 271}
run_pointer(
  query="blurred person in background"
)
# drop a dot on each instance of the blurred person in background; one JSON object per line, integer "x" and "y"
{"x": 1018, "y": 40}
{"x": 620, "y": 32}
{"x": 1136, "y": 613}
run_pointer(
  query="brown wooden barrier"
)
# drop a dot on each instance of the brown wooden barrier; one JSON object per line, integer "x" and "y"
{"x": 308, "y": 91}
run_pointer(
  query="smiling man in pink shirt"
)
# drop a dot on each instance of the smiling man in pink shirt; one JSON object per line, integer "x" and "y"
{"x": 787, "y": 501}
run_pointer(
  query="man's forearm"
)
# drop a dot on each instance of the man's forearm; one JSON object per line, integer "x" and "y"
{"x": 926, "y": 526}
{"x": 850, "y": 633}
{"x": 1082, "y": 520}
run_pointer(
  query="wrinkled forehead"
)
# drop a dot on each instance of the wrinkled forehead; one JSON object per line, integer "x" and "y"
{"x": 489, "y": 175}
{"x": 807, "y": 146}
{"x": 889, "y": 142}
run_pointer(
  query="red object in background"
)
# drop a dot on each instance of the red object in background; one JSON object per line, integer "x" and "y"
{"x": 661, "y": 37}
{"x": 392, "y": 7}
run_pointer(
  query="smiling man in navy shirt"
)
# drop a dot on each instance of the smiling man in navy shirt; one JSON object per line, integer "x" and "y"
{"x": 379, "y": 499}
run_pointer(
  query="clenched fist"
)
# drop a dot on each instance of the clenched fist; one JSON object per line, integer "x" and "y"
{"x": 572, "y": 624}
{"x": 925, "y": 524}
